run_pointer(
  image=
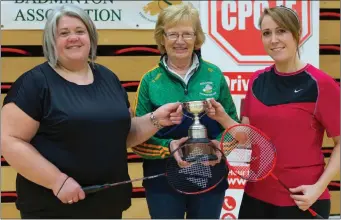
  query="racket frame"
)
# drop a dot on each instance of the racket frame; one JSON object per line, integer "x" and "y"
{"x": 96, "y": 188}
{"x": 207, "y": 189}
{"x": 231, "y": 167}
{"x": 270, "y": 173}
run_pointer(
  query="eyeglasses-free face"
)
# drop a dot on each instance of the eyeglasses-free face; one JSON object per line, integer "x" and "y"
{"x": 72, "y": 40}
{"x": 278, "y": 42}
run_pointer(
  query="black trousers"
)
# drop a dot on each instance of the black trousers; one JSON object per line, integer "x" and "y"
{"x": 252, "y": 208}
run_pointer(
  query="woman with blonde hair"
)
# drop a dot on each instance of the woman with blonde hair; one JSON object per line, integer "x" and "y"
{"x": 181, "y": 75}
{"x": 292, "y": 102}
{"x": 65, "y": 124}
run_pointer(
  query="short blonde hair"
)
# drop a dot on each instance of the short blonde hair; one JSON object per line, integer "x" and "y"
{"x": 285, "y": 18}
{"x": 50, "y": 31}
{"x": 173, "y": 15}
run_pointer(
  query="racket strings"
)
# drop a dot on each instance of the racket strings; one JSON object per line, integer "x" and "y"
{"x": 250, "y": 154}
{"x": 205, "y": 170}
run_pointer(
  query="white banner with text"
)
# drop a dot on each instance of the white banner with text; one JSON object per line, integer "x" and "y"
{"x": 106, "y": 14}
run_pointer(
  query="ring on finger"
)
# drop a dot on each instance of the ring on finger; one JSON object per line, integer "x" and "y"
{"x": 70, "y": 201}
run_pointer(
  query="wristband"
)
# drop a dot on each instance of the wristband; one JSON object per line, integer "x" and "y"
{"x": 154, "y": 121}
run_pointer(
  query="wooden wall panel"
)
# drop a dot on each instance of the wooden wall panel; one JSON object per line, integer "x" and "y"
{"x": 2, "y": 98}
{"x": 138, "y": 209}
{"x": 106, "y": 37}
{"x": 330, "y": 4}
{"x": 327, "y": 142}
{"x": 132, "y": 99}
{"x": 135, "y": 171}
{"x": 330, "y": 64}
{"x": 126, "y": 68}
{"x": 8, "y": 210}
{"x": 145, "y": 37}
{"x": 129, "y": 68}
{"x": 335, "y": 204}
{"x": 8, "y": 176}
{"x": 332, "y": 28}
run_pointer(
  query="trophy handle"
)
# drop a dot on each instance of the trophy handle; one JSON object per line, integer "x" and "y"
{"x": 203, "y": 115}
{"x": 192, "y": 117}
{"x": 187, "y": 116}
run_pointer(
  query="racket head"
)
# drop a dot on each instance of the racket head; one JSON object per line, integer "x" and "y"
{"x": 249, "y": 152}
{"x": 204, "y": 168}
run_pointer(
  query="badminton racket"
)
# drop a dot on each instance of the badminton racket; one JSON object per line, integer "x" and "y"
{"x": 205, "y": 168}
{"x": 251, "y": 155}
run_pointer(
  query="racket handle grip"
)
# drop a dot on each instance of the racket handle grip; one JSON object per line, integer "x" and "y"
{"x": 92, "y": 189}
{"x": 314, "y": 214}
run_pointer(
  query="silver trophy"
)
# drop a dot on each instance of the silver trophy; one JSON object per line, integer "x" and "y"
{"x": 197, "y": 133}
{"x": 196, "y": 130}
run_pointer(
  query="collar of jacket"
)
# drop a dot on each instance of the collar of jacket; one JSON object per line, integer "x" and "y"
{"x": 161, "y": 64}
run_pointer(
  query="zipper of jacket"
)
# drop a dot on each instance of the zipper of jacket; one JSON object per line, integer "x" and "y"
{"x": 194, "y": 74}
{"x": 177, "y": 78}
{"x": 184, "y": 85}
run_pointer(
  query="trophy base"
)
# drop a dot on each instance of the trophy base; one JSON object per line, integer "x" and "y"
{"x": 197, "y": 132}
{"x": 197, "y": 140}
{"x": 195, "y": 144}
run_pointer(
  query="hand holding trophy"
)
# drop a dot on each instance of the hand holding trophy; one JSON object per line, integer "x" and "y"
{"x": 197, "y": 142}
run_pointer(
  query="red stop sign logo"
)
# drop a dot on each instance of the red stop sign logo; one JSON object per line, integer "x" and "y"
{"x": 234, "y": 27}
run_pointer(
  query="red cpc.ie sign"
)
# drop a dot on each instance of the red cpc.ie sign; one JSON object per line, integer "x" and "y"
{"x": 234, "y": 27}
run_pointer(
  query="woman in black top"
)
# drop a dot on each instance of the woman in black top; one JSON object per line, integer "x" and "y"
{"x": 66, "y": 124}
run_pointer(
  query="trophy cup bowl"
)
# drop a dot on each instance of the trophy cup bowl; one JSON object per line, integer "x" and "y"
{"x": 195, "y": 107}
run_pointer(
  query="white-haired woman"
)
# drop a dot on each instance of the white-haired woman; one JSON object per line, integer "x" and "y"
{"x": 66, "y": 124}
{"x": 181, "y": 75}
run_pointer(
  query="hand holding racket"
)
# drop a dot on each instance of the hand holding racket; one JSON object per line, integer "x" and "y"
{"x": 219, "y": 154}
{"x": 251, "y": 155}
{"x": 305, "y": 195}
{"x": 196, "y": 178}
{"x": 173, "y": 146}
